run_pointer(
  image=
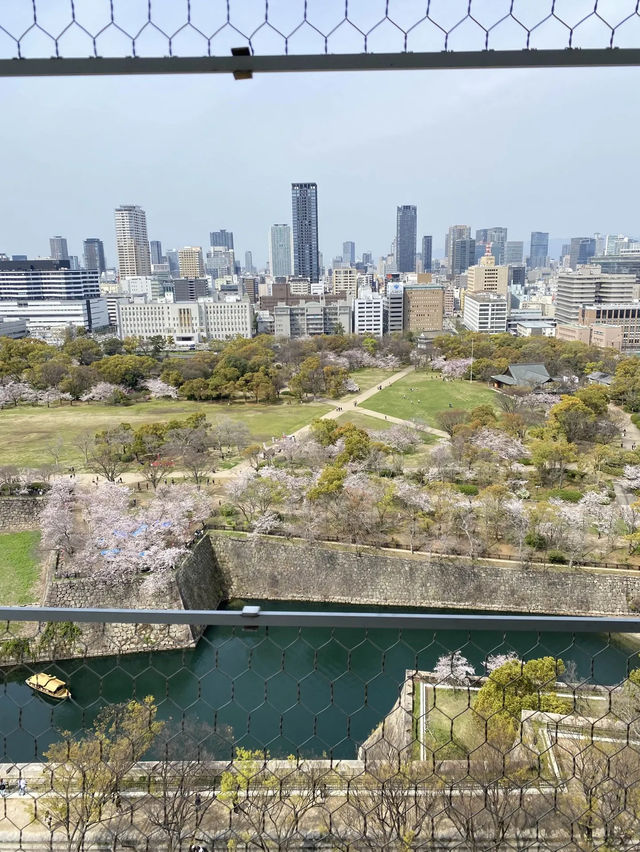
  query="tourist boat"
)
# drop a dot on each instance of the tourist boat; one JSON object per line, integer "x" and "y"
{"x": 48, "y": 685}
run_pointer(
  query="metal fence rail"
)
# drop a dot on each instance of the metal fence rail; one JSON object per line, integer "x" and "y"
{"x": 280, "y": 729}
{"x": 59, "y": 37}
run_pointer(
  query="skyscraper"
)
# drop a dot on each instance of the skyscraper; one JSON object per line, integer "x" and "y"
{"x": 539, "y": 250}
{"x": 220, "y": 239}
{"x": 406, "y": 237}
{"x": 132, "y": 241}
{"x": 463, "y": 255}
{"x": 456, "y": 232}
{"x": 58, "y": 248}
{"x": 156, "y": 251}
{"x": 304, "y": 210}
{"x": 94, "y": 254}
{"x": 248, "y": 261}
{"x": 498, "y": 239}
{"x": 427, "y": 251}
{"x": 190, "y": 262}
{"x": 280, "y": 251}
{"x": 349, "y": 252}
{"x": 514, "y": 253}
{"x": 581, "y": 251}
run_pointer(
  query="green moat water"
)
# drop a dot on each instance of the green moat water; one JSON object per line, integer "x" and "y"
{"x": 313, "y": 691}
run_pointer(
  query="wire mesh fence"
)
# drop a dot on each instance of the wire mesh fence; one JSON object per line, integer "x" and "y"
{"x": 318, "y": 731}
{"x": 408, "y": 33}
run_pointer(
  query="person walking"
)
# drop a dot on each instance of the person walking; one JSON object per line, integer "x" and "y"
{"x": 22, "y": 787}
{"x": 3, "y": 788}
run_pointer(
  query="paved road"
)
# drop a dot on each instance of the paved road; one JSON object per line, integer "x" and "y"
{"x": 630, "y": 441}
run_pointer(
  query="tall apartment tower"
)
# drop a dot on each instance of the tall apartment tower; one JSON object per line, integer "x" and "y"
{"x": 304, "y": 212}
{"x": 581, "y": 250}
{"x": 93, "y": 250}
{"x": 190, "y": 262}
{"x": 427, "y": 253}
{"x": 132, "y": 241}
{"x": 349, "y": 252}
{"x": 406, "y": 236}
{"x": 539, "y": 250}
{"x": 455, "y": 234}
{"x": 58, "y": 248}
{"x": 156, "y": 251}
{"x": 220, "y": 239}
{"x": 280, "y": 251}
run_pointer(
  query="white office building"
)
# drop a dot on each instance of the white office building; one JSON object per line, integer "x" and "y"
{"x": 188, "y": 323}
{"x": 368, "y": 315}
{"x": 47, "y": 279}
{"x": 394, "y": 304}
{"x": 310, "y": 318}
{"x": 485, "y": 312}
{"x": 46, "y": 317}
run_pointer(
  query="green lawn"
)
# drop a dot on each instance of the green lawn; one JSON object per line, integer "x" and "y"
{"x": 363, "y": 422}
{"x": 27, "y": 431}
{"x": 450, "y": 727}
{"x": 19, "y": 567}
{"x": 429, "y": 396}
{"x": 369, "y": 377}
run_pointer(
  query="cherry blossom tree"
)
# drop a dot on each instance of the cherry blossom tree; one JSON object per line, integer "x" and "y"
{"x": 454, "y": 368}
{"x": 399, "y": 438}
{"x": 494, "y": 661}
{"x": 57, "y": 520}
{"x": 415, "y": 504}
{"x": 159, "y": 389}
{"x": 500, "y": 444}
{"x": 631, "y": 477}
{"x": 12, "y": 392}
{"x": 601, "y": 513}
{"x": 453, "y": 669}
{"x": 103, "y": 392}
{"x": 254, "y": 495}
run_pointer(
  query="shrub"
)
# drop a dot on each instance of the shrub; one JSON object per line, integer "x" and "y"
{"x": 557, "y": 557}
{"x": 226, "y": 510}
{"x": 569, "y": 495}
{"x": 17, "y": 647}
{"x": 535, "y": 540}
{"x": 468, "y": 488}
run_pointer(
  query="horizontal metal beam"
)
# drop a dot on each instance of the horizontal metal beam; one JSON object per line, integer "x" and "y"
{"x": 245, "y": 65}
{"x": 362, "y": 620}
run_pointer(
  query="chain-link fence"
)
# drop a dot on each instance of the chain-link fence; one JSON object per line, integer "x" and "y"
{"x": 281, "y": 35}
{"x": 341, "y": 731}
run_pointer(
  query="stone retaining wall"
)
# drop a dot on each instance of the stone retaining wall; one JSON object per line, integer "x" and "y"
{"x": 19, "y": 513}
{"x": 273, "y": 568}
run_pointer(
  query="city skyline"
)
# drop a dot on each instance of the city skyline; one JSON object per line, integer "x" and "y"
{"x": 361, "y": 179}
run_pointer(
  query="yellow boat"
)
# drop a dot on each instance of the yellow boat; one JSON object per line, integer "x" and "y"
{"x": 48, "y": 685}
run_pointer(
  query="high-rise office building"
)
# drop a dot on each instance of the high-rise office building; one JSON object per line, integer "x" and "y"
{"x": 498, "y": 239}
{"x": 455, "y": 233}
{"x": 221, "y": 239}
{"x": 427, "y": 252}
{"x": 190, "y": 262}
{"x": 406, "y": 237}
{"x": 581, "y": 251}
{"x": 94, "y": 254}
{"x": 514, "y": 253}
{"x": 132, "y": 242}
{"x": 367, "y": 257}
{"x": 463, "y": 255}
{"x": 539, "y": 250}
{"x": 173, "y": 262}
{"x": 589, "y": 286}
{"x": 280, "y": 251}
{"x": 304, "y": 210}
{"x": 423, "y": 307}
{"x": 156, "y": 252}
{"x": 248, "y": 262}
{"x": 58, "y": 248}
{"x": 349, "y": 252}
{"x": 487, "y": 276}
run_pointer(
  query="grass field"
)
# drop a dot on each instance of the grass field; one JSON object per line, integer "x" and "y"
{"x": 363, "y": 422}
{"x": 451, "y": 728}
{"x": 26, "y": 432}
{"x": 429, "y": 396}
{"x": 369, "y": 377}
{"x": 19, "y": 567}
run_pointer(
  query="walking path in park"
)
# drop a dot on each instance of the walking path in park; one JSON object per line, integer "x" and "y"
{"x": 341, "y": 407}
{"x": 630, "y": 440}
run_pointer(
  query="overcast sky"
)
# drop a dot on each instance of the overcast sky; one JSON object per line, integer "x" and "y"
{"x": 549, "y": 150}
